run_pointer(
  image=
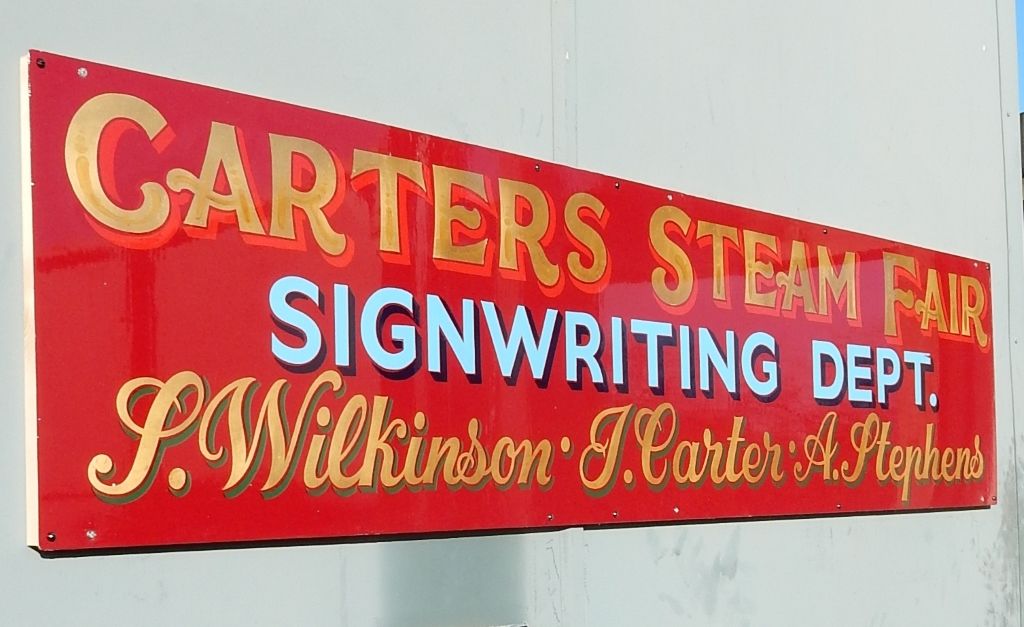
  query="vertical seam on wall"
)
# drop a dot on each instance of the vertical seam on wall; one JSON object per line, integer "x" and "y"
{"x": 553, "y": 73}
{"x": 563, "y": 80}
{"x": 571, "y": 601}
{"x": 1009, "y": 224}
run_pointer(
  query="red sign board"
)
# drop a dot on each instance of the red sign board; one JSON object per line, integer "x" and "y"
{"x": 252, "y": 321}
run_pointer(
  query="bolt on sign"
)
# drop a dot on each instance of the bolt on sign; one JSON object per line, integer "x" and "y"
{"x": 253, "y": 321}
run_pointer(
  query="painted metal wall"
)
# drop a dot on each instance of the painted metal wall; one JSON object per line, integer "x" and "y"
{"x": 895, "y": 119}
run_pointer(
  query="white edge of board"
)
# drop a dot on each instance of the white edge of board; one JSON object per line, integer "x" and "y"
{"x": 28, "y": 265}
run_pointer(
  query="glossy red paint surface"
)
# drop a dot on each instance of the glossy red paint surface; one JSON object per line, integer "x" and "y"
{"x": 107, "y": 311}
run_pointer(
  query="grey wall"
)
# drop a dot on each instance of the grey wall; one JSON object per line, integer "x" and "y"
{"x": 892, "y": 118}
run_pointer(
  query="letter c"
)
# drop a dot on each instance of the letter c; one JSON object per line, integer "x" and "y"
{"x": 81, "y": 158}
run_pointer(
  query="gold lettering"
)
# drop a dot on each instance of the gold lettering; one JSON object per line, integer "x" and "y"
{"x": 312, "y": 202}
{"x": 157, "y": 432}
{"x": 893, "y": 295}
{"x": 445, "y": 213}
{"x": 605, "y": 448}
{"x": 671, "y": 253}
{"x": 719, "y": 234}
{"x": 973, "y": 303}
{"x": 835, "y": 283}
{"x": 586, "y": 235}
{"x": 757, "y": 269}
{"x": 389, "y": 168}
{"x": 222, "y": 152}
{"x": 930, "y": 308}
{"x": 367, "y": 449}
{"x": 82, "y": 162}
{"x": 531, "y": 234}
{"x": 796, "y": 283}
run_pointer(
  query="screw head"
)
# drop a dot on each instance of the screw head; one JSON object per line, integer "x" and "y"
{"x": 551, "y": 516}
{"x": 91, "y": 534}
{"x": 618, "y": 185}
{"x": 82, "y": 72}
{"x": 536, "y": 167}
{"x": 40, "y": 63}
{"x": 52, "y": 537}
{"x": 615, "y": 514}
